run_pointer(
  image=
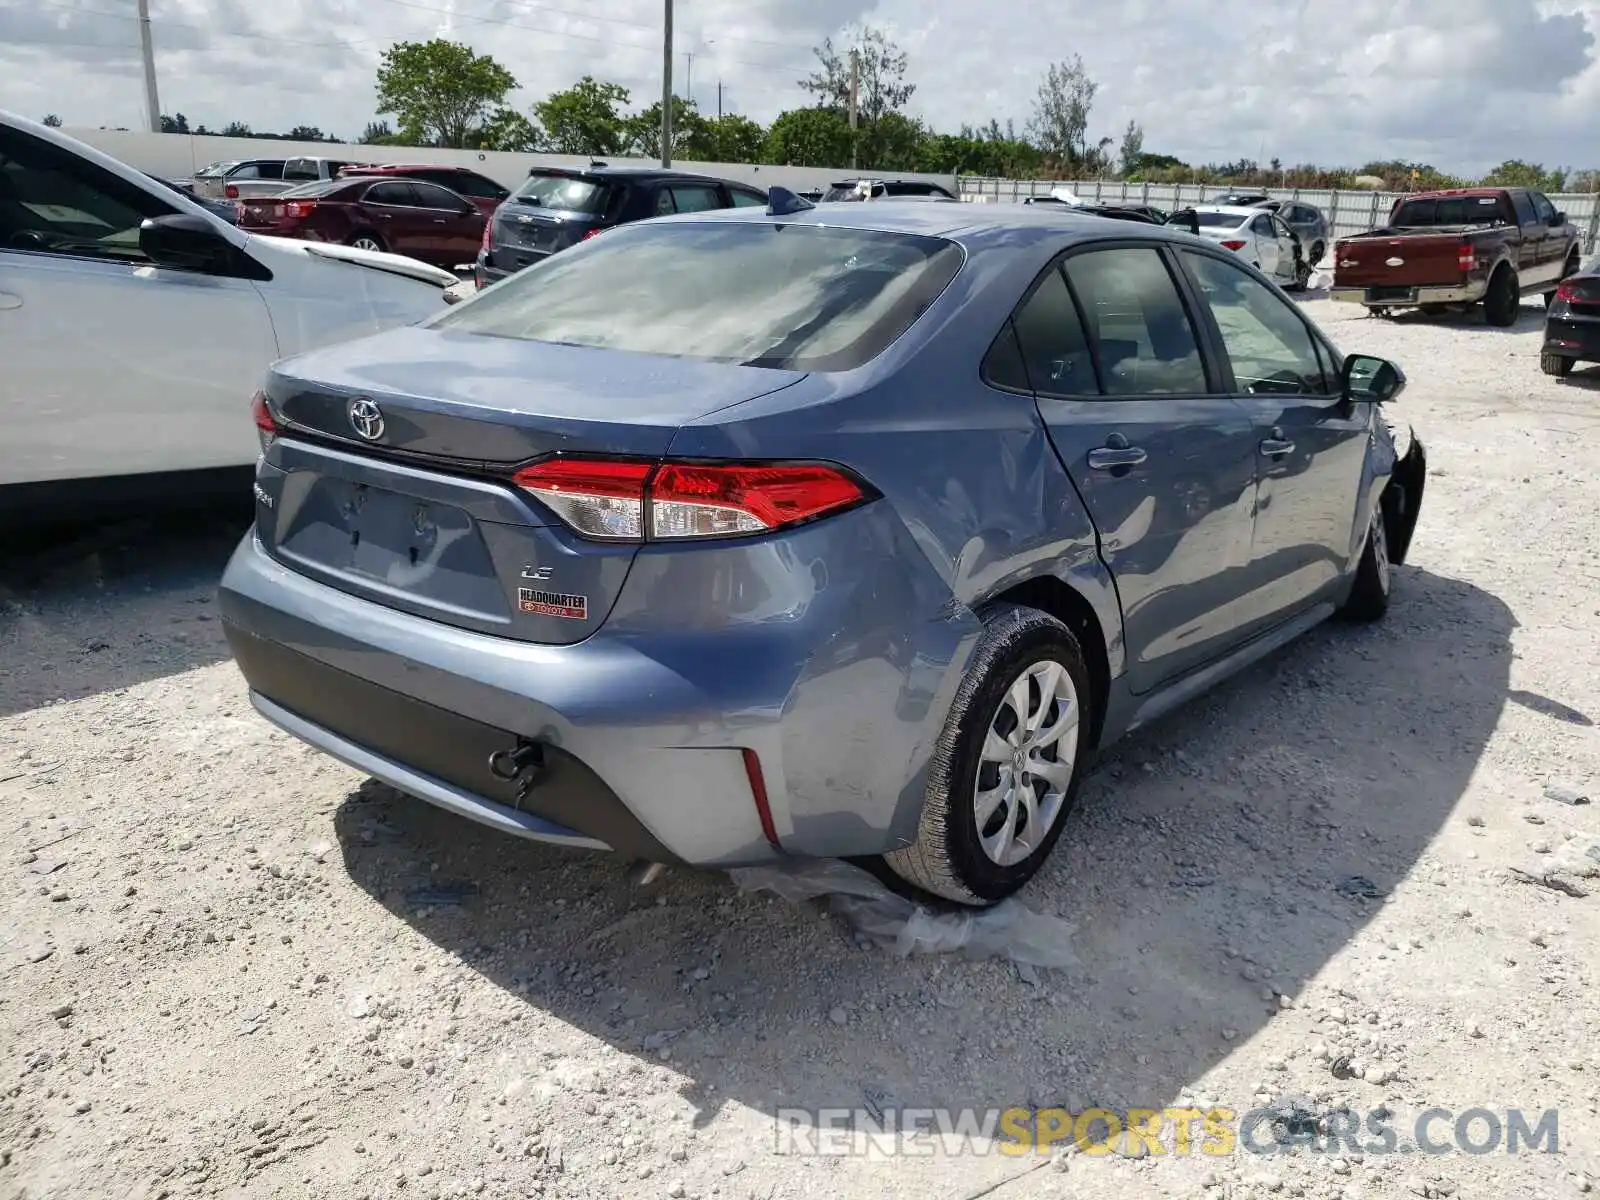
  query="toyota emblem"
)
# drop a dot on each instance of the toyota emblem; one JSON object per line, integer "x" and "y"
{"x": 366, "y": 418}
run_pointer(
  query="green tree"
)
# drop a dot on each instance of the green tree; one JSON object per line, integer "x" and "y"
{"x": 877, "y": 66}
{"x": 691, "y": 133}
{"x": 1061, "y": 111}
{"x": 236, "y": 129}
{"x": 52, "y": 120}
{"x": 177, "y": 124}
{"x": 808, "y": 137}
{"x": 306, "y": 133}
{"x": 1130, "y": 154}
{"x": 587, "y": 118}
{"x": 734, "y": 139}
{"x": 440, "y": 91}
{"x": 1516, "y": 173}
{"x": 378, "y": 133}
{"x": 507, "y": 129}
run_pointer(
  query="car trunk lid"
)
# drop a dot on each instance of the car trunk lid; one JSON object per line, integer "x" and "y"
{"x": 391, "y": 479}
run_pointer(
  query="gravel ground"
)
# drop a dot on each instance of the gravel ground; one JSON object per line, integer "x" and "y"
{"x": 1353, "y": 876}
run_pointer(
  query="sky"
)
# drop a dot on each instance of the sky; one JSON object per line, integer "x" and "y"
{"x": 1461, "y": 84}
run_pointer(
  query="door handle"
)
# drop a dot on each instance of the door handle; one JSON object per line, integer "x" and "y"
{"x": 438, "y": 221}
{"x": 1109, "y": 458}
{"x": 1276, "y": 445}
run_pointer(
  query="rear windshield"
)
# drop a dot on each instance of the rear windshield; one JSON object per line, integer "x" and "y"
{"x": 795, "y": 297}
{"x": 1216, "y": 220}
{"x": 565, "y": 193}
{"x": 849, "y": 191}
{"x": 1450, "y": 210}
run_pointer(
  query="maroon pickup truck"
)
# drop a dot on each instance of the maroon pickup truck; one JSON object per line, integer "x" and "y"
{"x": 1457, "y": 248}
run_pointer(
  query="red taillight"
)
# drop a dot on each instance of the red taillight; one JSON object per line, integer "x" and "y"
{"x": 590, "y": 234}
{"x": 299, "y": 209}
{"x": 638, "y": 501}
{"x": 1467, "y": 257}
{"x": 266, "y": 425}
{"x": 1568, "y": 291}
{"x": 231, "y": 191}
{"x": 488, "y": 226}
{"x": 1234, "y": 244}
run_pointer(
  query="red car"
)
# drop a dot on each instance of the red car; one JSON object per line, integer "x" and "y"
{"x": 480, "y": 189}
{"x": 403, "y": 216}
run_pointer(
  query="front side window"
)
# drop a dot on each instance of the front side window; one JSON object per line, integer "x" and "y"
{"x": 1542, "y": 207}
{"x": 796, "y": 297}
{"x": 1145, "y": 341}
{"x": 1268, "y": 344}
{"x": 53, "y": 201}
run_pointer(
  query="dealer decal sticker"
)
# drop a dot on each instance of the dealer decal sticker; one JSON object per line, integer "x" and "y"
{"x": 553, "y": 604}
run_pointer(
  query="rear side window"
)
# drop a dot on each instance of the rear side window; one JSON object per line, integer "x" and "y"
{"x": 1137, "y": 321}
{"x": 744, "y": 199}
{"x": 468, "y": 184}
{"x": 398, "y": 194}
{"x": 432, "y": 196}
{"x": 795, "y": 297}
{"x": 1055, "y": 348}
{"x": 1263, "y": 226}
{"x": 564, "y": 193}
{"x": 1003, "y": 366}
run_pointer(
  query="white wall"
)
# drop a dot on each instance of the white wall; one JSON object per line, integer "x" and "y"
{"x": 176, "y": 155}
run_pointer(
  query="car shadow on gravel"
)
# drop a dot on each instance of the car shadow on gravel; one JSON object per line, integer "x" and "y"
{"x": 89, "y": 607}
{"x": 1217, "y": 860}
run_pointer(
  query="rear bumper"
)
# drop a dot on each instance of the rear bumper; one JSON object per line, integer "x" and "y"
{"x": 1391, "y": 297}
{"x": 840, "y": 695}
{"x": 1575, "y": 339}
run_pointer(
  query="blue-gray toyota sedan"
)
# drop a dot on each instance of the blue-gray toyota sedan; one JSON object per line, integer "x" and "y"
{"x": 840, "y": 531}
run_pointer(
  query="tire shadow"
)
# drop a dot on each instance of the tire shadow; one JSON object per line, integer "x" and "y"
{"x": 1222, "y": 856}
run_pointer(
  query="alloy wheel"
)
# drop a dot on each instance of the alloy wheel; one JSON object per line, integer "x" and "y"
{"x": 1026, "y": 763}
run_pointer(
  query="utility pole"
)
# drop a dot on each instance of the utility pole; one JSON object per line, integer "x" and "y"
{"x": 688, "y": 81}
{"x": 666, "y": 89}
{"x": 855, "y": 95}
{"x": 147, "y": 52}
{"x": 719, "y": 100}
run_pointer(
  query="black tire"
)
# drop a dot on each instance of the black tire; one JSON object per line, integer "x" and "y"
{"x": 948, "y": 858}
{"x": 1369, "y": 597}
{"x": 1316, "y": 253}
{"x": 366, "y": 235}
{"x": 1503, "y": 299}
{"x": 1556, "y": 364}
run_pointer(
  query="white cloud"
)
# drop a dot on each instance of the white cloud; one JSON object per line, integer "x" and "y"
{"x": 1460, "y": 83}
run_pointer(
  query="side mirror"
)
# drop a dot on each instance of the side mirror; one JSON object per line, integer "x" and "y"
{"x": 1557, "y": 221}
{"x": 185, "y": 242}
{"x": 1371, "y": 380}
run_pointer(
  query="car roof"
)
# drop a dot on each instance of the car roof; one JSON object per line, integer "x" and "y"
{"x": 628, "y": 173}
{"x": 355, "y": 169}
{"x": 1233, "y": 210}
{"x": 970, "y": 224}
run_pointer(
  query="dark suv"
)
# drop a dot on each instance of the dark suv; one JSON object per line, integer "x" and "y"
{"x": 557, "y": 207}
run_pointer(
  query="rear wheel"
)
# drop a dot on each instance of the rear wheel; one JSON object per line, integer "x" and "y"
{"x": 1503, "y": 299}
{"x": 1555, "y": 364}
{"x": 365, "y": 240}
{"x": 1006, "y": 768}
{"x": 1369, "y": 597}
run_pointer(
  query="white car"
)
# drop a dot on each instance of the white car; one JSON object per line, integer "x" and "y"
{"x": 135, "y": 326}
{"x": 1259, "y": 237}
